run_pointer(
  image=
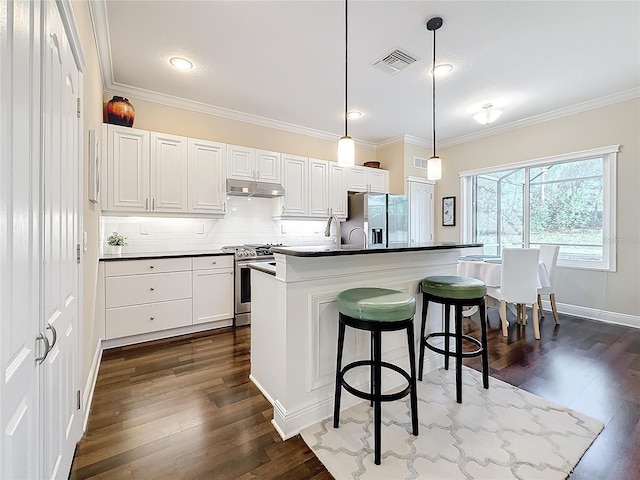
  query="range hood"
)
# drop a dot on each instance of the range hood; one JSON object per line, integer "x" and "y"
{"x": 246, "y": 188}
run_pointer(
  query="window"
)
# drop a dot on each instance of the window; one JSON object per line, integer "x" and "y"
{"x": 567, "y": 200}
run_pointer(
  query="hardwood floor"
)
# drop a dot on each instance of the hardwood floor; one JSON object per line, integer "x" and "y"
{"x": 185, "y": 408}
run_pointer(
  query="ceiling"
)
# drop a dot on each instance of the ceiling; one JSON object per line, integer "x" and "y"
{"x": 281, "y": 63}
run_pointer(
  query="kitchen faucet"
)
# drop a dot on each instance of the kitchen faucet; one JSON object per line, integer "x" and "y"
{"x": 364, "y": 234}
{"x": 327, "y": 231}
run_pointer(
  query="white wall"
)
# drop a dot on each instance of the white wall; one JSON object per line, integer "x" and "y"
{"x": 248, "y": 221}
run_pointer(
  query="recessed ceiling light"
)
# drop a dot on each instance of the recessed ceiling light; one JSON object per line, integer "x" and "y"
{"x": 353, "y": 114}
{"x": 443, "y": 69}
{"x": 181, "y": 63}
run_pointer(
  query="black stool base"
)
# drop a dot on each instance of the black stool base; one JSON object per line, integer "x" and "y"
{"x": 457, "y": 335}
{"x": 375, "y": 396}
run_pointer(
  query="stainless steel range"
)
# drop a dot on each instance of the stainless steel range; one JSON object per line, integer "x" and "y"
{"x": 244, "y": 255}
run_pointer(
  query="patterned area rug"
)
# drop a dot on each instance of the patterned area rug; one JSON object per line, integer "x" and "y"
{"x": 500, "y": 433}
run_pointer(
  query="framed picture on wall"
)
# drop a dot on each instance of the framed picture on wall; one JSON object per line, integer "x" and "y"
{"x": 448, "y": 211}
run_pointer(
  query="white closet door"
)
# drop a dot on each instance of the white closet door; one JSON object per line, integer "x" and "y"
{"x": 421, "y": 212}
{"x": 60, "y": 270}
{"x": 19, "y": 239}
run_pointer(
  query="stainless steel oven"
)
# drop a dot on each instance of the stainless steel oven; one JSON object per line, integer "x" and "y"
{"x": 244, "y": 255}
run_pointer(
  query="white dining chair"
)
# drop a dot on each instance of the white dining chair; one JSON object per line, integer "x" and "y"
{"x": 519, "y": 285}
{"x": 549, "y": 256}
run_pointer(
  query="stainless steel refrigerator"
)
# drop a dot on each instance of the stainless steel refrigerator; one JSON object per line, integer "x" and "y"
{"x": 384, "y": 217}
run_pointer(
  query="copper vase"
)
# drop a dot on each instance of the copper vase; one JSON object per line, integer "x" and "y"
{"x": 120, "y": 112}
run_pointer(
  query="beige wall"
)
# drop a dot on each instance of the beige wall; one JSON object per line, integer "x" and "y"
{"x": 614, "y": 124}
{"x": 92, "y": 118}
{"x": 411, "y": 151}
{"x": 391, "y": 158}
{"x": 178, "y": 121}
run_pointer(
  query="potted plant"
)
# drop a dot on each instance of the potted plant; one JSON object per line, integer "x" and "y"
{"x": 115, "y": 242}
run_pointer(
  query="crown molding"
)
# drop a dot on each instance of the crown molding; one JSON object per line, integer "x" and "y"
{"x": 545, "y": 117}
{"x": 410, "y": 139}
{"x": 98, "y": 14}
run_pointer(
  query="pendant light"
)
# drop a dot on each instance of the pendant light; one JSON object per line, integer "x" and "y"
{"x": 434, "y": 165}
{"x": 346, "y": 145}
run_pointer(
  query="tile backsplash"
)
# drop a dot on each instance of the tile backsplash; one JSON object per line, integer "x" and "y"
{"x": 247, "y": 221}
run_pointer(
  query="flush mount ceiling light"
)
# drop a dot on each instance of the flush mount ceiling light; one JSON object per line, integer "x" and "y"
{"x": 354, "y": 114}
{"x": 434, "y": 165}
{"x": 181, "y": 63}
{"x": 487, "y": 115}
{"x": 443, "y": 69}
{"x": 346, "y": 145}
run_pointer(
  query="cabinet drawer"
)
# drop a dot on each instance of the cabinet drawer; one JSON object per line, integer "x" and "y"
{"x": 213, "y": 262}
{"x": 151, "y": 265}
{"x": 124, "y": 321}
{"x": 158, "y": 287}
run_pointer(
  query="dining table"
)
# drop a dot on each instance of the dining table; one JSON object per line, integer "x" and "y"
{"x": 488, "y": 268}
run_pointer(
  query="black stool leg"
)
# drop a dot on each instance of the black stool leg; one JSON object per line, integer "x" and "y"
{"x": 371, "y": 371}
{"x": 458, "y": 354}
{"x": 425, "y": 304}
{"x": 336, "y": 401}
{"x": 377, "y": 413}
{"x": 447, "y": 322}
{"x": 483, "y": 341}
{"x": 414, "y": 393}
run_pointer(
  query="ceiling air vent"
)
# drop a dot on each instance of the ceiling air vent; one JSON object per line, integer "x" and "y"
{"x": 420, "y": 162}
{"x": 394, "y": 60}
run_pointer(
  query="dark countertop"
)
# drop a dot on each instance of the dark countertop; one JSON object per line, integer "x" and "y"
{"x": 331, "y": 251}
{"x": 108, "y": 257}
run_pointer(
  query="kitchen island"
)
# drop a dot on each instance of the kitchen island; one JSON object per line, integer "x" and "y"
{"x": 295, "y": 322}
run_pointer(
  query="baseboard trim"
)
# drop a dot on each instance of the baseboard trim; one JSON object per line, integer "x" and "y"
{"x": 262, "y": 390}
{"x": 594, "y": 314}
{"x": 90, "y": 385}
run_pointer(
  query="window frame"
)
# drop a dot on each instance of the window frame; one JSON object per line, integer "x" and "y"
{"x": 609, "y": 157}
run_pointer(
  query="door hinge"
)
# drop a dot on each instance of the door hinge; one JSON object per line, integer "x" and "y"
{"x": 78, "y": 253}
{"x": 78, "y": 405}
{"x": 78, "y": 106}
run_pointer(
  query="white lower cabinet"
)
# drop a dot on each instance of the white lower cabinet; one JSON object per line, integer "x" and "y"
{"x": 150, "y": 295}
{"x": 213, "y": 290}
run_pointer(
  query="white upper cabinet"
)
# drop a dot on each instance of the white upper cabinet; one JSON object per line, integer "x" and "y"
{"x": 318, "y": 188}
{"x": 337, "y": 189}
{"x": 365, "y": 179}
{"x": 295, "y": 181}
{"x": 168, "y": 173}
{"x": 150, "y": 172}
{"x": 206, "y": 176}
{"x": 268, "y": 166}
{"x": 250, "y": 164}
{"x": 127, "y": 153}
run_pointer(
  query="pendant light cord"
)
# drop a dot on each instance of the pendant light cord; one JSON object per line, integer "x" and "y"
{"x": 433, "y": 78}
{"x": 346, "y": 61}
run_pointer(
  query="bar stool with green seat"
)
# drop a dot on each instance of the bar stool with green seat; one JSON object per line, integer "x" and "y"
{"x": 376, "y": 310}
{"x": 452, "y": 290}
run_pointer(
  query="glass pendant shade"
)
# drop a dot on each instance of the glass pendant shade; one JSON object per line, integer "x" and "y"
{"x": 346, "y": 151}
{"x": 487, "y": 116}
{"x": 434, "y": 168}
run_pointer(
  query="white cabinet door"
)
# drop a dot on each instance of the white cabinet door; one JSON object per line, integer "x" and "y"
{"x": 337, "y": 190}
{"x": 127, "y": 168}
{"x": 206, "y": 176}
{"x": 318, "y": 188}
{"x": 420, "y": 212}
{"x": 267, "y": 166}
{"x": 168, "y": 173}
{"x": 295, "y": 181}
{"x": 378, "y": 180}
{"x": 357, "y": 180}
{"x": 240, "y": 162}
{"x": 213, "y": 295}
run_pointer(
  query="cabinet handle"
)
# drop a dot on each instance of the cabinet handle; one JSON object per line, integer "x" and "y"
{"x": 214, "y": 262}
{"x": 152, "y": 318}
{"x": 151, "y": 267}
{"x": 224, "y": 207}
{"x": 258, "y": 174}
{"x": 55, "y": 334}
{"x": 152, "y": 289}
{"x": 153, "y": 204}
{"x": 283, "y": 209}
{"x": 146, "y": 203}
{"x": 47, "y": 347}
